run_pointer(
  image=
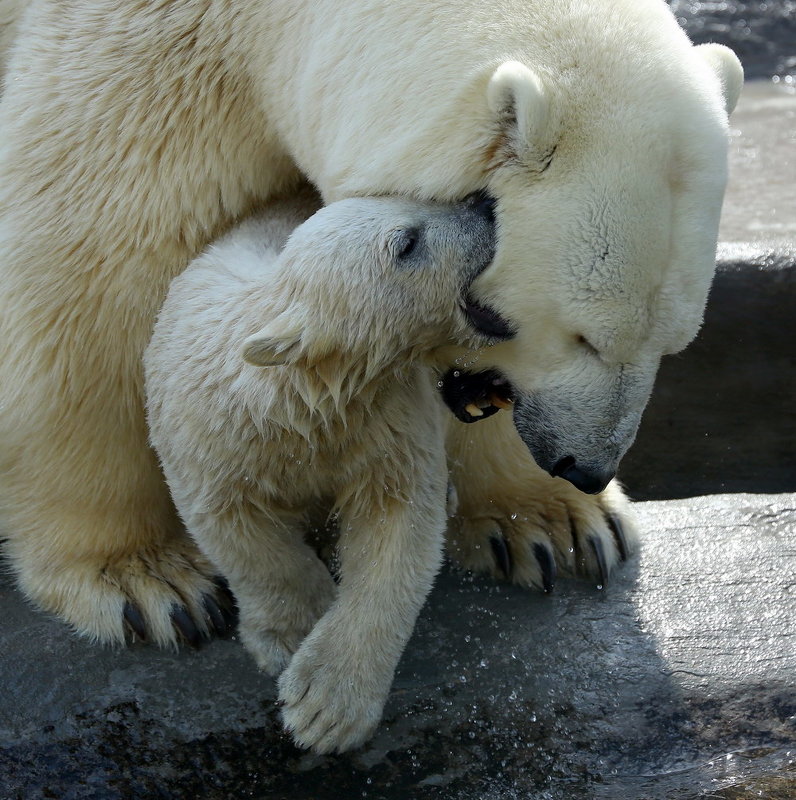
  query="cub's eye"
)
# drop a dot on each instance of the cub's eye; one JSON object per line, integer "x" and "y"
{"x": 403, "y": 242}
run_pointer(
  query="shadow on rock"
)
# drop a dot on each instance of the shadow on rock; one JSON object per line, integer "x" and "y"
{"x": 721, "y": 416}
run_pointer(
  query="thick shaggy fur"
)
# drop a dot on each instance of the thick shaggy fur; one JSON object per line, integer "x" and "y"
{"x": 337, "y": 415}
{"x": 134, "y": 132}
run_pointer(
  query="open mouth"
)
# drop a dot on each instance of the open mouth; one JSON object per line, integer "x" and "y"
{"x": 473, "y": 396}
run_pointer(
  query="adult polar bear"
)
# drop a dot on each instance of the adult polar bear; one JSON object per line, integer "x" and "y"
{"x": 134, "y": 131}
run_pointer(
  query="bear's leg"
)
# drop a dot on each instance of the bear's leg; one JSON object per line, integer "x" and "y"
{"x": 100, "y": 545}
{"x": 335, "y": 687}
{"x": 281, "y": 586}
{"x": 515, "y": 521}
{"x": 114, "y": 174}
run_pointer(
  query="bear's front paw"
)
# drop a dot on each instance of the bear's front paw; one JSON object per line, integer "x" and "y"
{"x": 528, "y": 538}
{"x": 166, "y": 593}
{"x": 332, "y": 695}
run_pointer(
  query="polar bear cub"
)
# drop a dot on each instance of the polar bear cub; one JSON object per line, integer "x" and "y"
{"x": 284, "y": 383}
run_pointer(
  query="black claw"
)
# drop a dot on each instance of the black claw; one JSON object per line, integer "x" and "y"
{"x": 135, "y": 619}
{"x": 182, "y": 621}
{"x": 599, "y": 555}
{"x": 217, "y": 619}
{"x": 223, "y": 589}
{"x": 548, "y": 566}
{"x": 618, "y": 530}
{"x": 227, "y": 603}
{"x": 502, "y": 553}
{"x": 230, "y": 617}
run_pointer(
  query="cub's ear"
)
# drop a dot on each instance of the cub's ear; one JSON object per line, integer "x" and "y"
{"x": 276, "y": 344}
{"x": 518, "y": 100}
{"x": 727, "y": 68}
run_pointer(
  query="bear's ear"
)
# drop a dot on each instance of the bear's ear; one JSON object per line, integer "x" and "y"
{"x": 728, "y": 70}
{"x": 517, "y": 98}
{"x": 276, "y": 344}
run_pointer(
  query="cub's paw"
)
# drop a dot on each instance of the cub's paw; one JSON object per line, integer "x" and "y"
{"x": 332, "y": 696}
{"x": 550, "y": 528}
{"x": 271, "y": 649}
{"x": 164, "y": 594}
{"x": 272, "y": 631}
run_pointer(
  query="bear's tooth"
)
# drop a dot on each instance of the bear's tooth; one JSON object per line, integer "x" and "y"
{"x": 500, "y": 402}
{"x": 473, "y": 410}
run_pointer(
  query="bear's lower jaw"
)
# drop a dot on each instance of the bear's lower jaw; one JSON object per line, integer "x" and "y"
{"x": 473, "y": 396}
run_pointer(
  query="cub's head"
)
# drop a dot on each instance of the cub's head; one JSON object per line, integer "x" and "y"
{"x": 377, "y": 280}
{"x": 609, "y": 174}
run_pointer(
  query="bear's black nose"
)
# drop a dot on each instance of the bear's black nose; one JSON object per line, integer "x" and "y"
{"x": 589, "y": 482}
{"x": 483, "y": 203}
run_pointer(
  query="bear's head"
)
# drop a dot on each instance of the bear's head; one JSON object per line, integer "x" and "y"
{"x": 607, "y": 207}
{"x": 374, "y": 282}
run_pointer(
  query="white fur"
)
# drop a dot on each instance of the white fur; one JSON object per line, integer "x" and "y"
{"x": 132, "y": 133}
{"x": 11, "y": 12}
{"x": 347, "y": 423}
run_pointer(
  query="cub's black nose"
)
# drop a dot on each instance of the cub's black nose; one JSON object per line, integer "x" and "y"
{"x": 483, "y": 203}
{"x": 588, "y": 482}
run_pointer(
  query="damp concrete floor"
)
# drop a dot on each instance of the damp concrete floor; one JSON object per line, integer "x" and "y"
{"x": 675, "y": 681}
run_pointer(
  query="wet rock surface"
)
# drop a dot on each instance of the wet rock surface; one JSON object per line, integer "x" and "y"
{"x": 762, "y": 32}
{"x": 677, "y": 677}
{"x": 759, "y": 207}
